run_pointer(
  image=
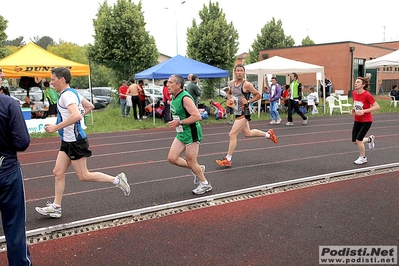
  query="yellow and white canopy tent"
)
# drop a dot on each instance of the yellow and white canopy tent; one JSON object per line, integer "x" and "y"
{"x": 34, "y": 61}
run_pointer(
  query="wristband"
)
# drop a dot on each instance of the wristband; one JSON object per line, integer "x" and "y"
{"x": 181, "y": 122}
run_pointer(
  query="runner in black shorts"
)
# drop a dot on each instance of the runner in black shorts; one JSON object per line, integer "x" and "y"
{"x": 77, "y": 149}
{"x": 74, "y": 144}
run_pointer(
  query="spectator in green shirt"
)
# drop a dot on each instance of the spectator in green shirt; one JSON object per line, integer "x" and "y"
{"x": 51, "y": 96}
{"x": 194, "y": 89}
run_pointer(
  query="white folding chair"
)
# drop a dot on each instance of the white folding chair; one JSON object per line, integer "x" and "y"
{"x": 393, "y": 100}
{"x": 344, "y": 103}
{"x": 253, "y": 109}
{"x": 333, "y": 103}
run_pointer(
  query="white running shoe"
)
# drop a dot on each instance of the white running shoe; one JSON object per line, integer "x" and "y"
{"x": 278, "y": 121}
{"x": 50, "y": 210}
{"x": 288, "y": 124}
{"x": 371, "y": 144}
{"x": 361, "y": 160}
{"x": 202, "y": 188}
{"x": 123, "y": 184}
{"x": 273, "y": 122}
{"x": 304, "y": 122}
{"x": 196, "y": 180}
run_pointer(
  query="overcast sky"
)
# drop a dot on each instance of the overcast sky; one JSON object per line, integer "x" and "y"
{"x": 323, "y": 21}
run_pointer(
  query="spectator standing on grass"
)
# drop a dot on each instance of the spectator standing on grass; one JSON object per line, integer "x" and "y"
{"x": 133, "y": 91}
{"x": 274, "y": 98}
{"x": 74, "y": 148}
{"x": 185, "y": 121}
{"x": 193, "y": 89}
{"x": 240, "y": 91}
{"x": 189, "y": 77}
{"x": 166, "y": 101}
{"x": 363, "y": 105}
{"x": 328, "y": 84}
{"x": 295, "y": 100}
{"x": 14, "y": 137}
{"x": 142, "y": 97}
{"x": 51, "y": 95}
{"x": 122, "y": 99}
{"x": 285, "y": 96}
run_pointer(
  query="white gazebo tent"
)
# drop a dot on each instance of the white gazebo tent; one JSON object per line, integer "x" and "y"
{"x": 391, "y": 59}
{"x": 277, "y": 65}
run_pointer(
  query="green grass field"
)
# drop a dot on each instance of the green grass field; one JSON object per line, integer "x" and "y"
{"x": 109, "y": 119}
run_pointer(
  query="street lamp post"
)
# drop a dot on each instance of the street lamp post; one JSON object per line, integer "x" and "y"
{"x": 177, "y": 38}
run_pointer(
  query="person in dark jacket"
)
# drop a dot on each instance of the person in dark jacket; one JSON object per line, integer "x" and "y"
{"x": 395, "y": 92}
{"x": 14, "y": 137}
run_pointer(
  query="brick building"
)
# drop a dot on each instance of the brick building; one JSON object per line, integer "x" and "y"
{"x": 340, "y": 60}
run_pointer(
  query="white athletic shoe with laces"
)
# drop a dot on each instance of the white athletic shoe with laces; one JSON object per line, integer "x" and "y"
{"x": 360, "y": 160}
{"x": 50, "y": 210}
{"x": 123, "y": 184}
{"x": 202, "y": 188}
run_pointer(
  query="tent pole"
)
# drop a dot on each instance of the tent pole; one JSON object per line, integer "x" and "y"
{"x": 153, "y": 104}
{"x": 324, "y": 93}
{"x": 91, "y": 93}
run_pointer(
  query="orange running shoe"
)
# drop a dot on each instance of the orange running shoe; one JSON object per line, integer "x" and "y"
{"x": 272, "y": 136}
{"x": 224, "y": 162}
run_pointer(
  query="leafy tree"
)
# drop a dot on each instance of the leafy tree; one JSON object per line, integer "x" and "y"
{"x": 16, "y": 42}
{"x": 213, "y": 41}
{"x": 74, "y": 53}
{"x": 307, "y": 41}
{"x": 100, "y": 75}
{"x": 121, "y": 41}
{"x": 3, "y": 36}
{"x": 43, "y": 41}
{"x": 70, "y": 51}
{"x": 272, "y": 36}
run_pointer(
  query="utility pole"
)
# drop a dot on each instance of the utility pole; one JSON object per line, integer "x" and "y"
{"x": 384, "y": 33}
{"x": 177, "y": 34}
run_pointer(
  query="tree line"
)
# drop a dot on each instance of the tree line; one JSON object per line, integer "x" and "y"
{"x": 117, "y": 54}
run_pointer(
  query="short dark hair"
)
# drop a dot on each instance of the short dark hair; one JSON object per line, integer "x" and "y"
{"x": 274, "y": 78}
{"x": 194, "y": 77}
{"x": 5, "y": 90}
{"x": 179, "y": 80}
{"x": 62, "y": 72}
{"x": 239, "y": 65}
